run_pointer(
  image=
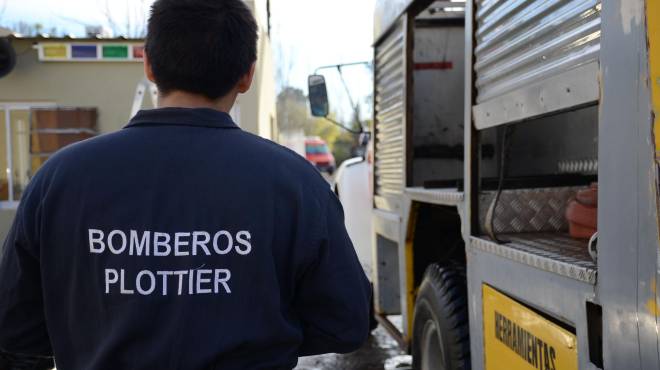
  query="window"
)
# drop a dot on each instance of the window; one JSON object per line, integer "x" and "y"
{"x": 316, "y": 149}
{"x": 15, "y": 161}
{"x": 29, "y": 134}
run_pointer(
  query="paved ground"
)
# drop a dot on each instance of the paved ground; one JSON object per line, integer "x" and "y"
{"x": 381, "y": 352}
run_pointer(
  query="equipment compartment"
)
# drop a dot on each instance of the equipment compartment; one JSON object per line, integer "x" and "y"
{"x": 542, "y": 164}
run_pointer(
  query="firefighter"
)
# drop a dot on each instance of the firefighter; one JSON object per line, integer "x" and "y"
{"x": 181, "y": 241}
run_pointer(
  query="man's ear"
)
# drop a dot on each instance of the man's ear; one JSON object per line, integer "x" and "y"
{"x": 246, "y": 81}
{"x": 147, "y": 69}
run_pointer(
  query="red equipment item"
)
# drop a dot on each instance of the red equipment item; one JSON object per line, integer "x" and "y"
{"x": 582, "y": 213}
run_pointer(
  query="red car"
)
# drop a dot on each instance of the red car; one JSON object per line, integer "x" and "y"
{"x": 317, "y": 152}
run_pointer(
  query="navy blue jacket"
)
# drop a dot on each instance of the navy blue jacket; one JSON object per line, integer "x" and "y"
{"x": 180, "y": 242}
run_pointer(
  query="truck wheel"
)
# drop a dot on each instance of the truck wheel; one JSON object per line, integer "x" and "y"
{"x": 440, "y": 336}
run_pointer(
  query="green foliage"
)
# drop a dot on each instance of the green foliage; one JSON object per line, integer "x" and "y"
{"x": 343, "y": 146}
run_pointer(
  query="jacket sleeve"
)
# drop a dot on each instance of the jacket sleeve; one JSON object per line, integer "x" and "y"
{"x": 334, "y": 296}
{"x": 22, "y": 320}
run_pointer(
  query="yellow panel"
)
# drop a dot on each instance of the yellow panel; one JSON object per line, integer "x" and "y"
{"x": 517, "y": 338}
{"x": 653, "y": 34}
{"x": 55, "y": 51}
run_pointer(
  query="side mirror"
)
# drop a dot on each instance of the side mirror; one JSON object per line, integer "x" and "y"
{"x": 318, "y": 95}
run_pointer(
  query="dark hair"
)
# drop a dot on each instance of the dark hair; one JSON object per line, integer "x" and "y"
{"x": 200, "y": 46}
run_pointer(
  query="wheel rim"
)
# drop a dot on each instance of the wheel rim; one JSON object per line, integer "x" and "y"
{"x": 432, "y": 355}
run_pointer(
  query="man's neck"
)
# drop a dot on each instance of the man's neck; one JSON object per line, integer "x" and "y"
{"x": 182, "y": 99}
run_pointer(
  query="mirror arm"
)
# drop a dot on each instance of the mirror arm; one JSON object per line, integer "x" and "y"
{"x": 316, "y": 71}
{"x": 348, "y": 92}
{"x": 344, "y": 127}
{"x": 354, "y": 106}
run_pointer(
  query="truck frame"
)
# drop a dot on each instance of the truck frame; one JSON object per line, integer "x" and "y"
{"x": 489, "y": 116}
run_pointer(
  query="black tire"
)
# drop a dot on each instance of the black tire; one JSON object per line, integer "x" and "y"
{"x": 440, "y": 336}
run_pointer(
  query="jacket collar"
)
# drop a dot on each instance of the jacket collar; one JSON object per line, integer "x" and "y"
{"x": 200, "y": 117}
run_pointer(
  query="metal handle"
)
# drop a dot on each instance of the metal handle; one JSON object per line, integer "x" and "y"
{"x": 593, "y": 242}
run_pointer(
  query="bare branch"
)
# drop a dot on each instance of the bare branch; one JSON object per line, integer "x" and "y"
{"x": 3, "y": 8}
{"x": 70, "y": 20}
{"x": 132, "y": 23}
{"x": 142, "y": 32}
{"x": 286, "y": 61}
{"x": 109, "y": 19}
{"x": 128, "y": 19}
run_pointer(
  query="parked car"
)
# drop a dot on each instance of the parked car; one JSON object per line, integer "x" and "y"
{"x": 317, "y": 152}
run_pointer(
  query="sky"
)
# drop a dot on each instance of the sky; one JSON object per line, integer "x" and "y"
{"x": 306, "y": 34}
{"x": 69, "y": 16}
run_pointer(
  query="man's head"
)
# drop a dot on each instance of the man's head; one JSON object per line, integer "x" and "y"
{"x": 203, "y": 47}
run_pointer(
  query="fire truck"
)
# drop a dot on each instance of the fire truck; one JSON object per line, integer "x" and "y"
{"x": 492, "y": 121}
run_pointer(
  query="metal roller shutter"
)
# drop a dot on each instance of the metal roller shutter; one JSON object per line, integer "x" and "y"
{"x": 390, "y": 112}
{"x": 522, "y": 43}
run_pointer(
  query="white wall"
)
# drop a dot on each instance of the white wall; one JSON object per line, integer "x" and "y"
{"x": 257, "y": 106}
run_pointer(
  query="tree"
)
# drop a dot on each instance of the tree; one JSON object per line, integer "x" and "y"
{"x": 292, "y": 114}
{"x": 134, "y": 24}
{"x": 286, "y": 61}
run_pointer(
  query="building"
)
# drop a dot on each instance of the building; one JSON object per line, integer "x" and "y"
{"x": 103, "y": 78}
{"x": 257, "y": 106}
